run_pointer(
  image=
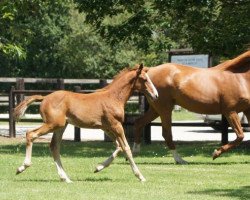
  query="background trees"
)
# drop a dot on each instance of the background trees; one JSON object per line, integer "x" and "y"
{"x": 219, "y": 27}
{"x": 96, "y": 38}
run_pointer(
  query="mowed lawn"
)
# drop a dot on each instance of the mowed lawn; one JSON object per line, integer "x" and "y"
{"x": 227, "y": 177}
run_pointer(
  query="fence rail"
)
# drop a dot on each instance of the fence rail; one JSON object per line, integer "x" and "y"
{"x": 19, "y": 93}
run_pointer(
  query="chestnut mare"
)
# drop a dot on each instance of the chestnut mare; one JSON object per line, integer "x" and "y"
{"x": 223, "y": 89}
{"x": 103, "y": 109}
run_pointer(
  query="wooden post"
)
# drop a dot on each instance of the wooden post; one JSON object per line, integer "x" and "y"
{"x": 224, "y": 130}
{"x": 12, "y": 127}
{"x": 20, "y": 86}
{"x": 147, "y": 128}
{"x": 77, "y": 136}
{"x": 60, "y": 84}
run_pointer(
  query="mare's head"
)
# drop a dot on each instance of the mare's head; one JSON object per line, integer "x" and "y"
{"x": 144, "y": 84}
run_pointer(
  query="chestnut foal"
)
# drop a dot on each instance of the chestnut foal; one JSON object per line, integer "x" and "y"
{"x": 103, "y": 109}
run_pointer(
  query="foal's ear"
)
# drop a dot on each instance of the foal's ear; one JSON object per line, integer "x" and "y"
{"x": 140, "y": 68}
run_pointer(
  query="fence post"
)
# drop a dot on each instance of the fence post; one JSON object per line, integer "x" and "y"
{"x": 147, "y": 128}
{"x": 224, "y": 130}
{"x": 20, "y": 86}
{"x": 77, "y": 136}
{"x": 12, "y": 125}
{"x": 60, "y": 84}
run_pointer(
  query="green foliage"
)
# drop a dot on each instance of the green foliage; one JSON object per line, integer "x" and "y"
{"x": 217, "y": 27}
{"x": 8, "y": 44}
{"x": 55, "y": 41}
{"x": 50, "y": 38}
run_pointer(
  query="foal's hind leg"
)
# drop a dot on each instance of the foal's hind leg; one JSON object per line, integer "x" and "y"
{"x": 30, "y": 137}
{"x": 107, "y": 162}
{"x": 234, "y": 121}
{"x": 55, "y": 150}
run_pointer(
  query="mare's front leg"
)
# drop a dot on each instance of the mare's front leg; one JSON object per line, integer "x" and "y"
{"x": 30, "y": 137}
{"x": 107, "y": 162}
{"x": 55, "y": 150}
{"x": 234, "y": 121}
{"x": 140, "y": 123}
{"x": 166, "y": 119}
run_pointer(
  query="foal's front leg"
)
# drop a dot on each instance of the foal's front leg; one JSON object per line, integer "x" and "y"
{"x": 107, "y": 162}
{"x": 119, "y": 134}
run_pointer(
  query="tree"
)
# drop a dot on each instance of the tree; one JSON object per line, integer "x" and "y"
{"x": 220, "y": 27}
{"x": 9, "y": 45}
{"x": 37, "y": 27}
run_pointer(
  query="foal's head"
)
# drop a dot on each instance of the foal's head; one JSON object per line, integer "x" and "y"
{"x": 144, "y": 84}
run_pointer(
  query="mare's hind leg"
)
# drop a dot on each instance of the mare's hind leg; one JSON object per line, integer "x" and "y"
{"x": 247, "y": 114}
{"x": 140, "y": 123}
{"x": 55, "y": 150}
{"x": 30, "y": 137}
{"x": 234, "y": 121}
{"x": 107, "y": 162}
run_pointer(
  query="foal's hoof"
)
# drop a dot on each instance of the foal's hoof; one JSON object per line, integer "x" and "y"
{"x": 66, "y": 180}
{"x": 99, "y": 168}
{"x": 216, "y": 154}
{"x": 18, "y": 172}
{"x": 142, "y": 180}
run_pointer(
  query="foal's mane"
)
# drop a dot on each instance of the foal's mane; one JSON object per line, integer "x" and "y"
{"x": 117, "y": 77}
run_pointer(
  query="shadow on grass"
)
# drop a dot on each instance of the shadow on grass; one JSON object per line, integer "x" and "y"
{"x": 239, "y": 193}
{"x": 105, "y": 179}
{"x": 193, "y": 163}
{"x": 39, "y": 180}
{"x": 104, "y": 149}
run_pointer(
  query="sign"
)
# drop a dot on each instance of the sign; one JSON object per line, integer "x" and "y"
{"x": 195, "y": 60}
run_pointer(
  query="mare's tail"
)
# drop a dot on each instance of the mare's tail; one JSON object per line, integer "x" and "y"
{"x": 21, "y": 108}
{"x": 241, "y": 61}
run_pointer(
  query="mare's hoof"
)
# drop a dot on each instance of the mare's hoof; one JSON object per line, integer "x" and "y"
{"x": 181, "y": 162}
{"x": 216, "y": 154}
{"x": 20, "y": 169}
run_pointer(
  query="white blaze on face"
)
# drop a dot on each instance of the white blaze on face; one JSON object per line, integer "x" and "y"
{"x": 152, "y": 86}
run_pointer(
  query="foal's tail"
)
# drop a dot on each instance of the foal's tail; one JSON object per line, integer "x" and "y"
{"x": 21, "y": 108}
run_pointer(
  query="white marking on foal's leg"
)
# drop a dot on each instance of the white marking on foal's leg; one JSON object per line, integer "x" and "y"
{"x": 27, "y": 161}
{"x": 136, "y": 148}
{"x": 135, "y": 169}
{"x": 107, "y": 162}
{"x": 61, "y": 172}
{"x": 178, "y": 158}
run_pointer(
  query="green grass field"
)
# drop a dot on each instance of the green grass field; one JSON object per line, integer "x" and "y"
{"x": 227, "y": 177}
